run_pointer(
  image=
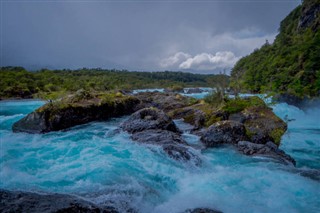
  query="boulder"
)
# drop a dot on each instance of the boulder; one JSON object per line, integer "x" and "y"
{"x": 238, "y": 117}
{"x": 163, "y": 101}
{"x": 269, "y": 150}
{"x": 262, "y": 125}
{"x": 75, "y": 110}
{"x": 223, "y": 132}
{"x": 41, "y": 203}
{"x": 153, "y": 126}
{"x": 148, "y": 118}
{"x": 190, "y": 115}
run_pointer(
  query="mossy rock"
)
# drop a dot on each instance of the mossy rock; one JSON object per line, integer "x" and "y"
{"x": 262, "y": 125}
{"x": 68, "y": 112}
{"x": 239, "y": 104}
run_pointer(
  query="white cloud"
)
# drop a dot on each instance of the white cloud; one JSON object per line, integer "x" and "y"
{"x": 175, "y": 60}
{"x": 203, "y": 61}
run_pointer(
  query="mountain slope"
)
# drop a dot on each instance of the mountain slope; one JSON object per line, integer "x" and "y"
{"x": 292, "y": 63}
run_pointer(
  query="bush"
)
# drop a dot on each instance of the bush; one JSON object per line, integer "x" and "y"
{"x": 239, "y": 104}
{"x": 214, "y": 99}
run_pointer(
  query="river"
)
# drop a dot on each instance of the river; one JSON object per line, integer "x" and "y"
{"x": 102, "y": 165}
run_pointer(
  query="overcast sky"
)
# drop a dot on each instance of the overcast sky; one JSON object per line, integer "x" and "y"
{"x": 202, "y": 36}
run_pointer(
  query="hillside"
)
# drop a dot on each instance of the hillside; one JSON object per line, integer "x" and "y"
{"x": 292, "y": 63}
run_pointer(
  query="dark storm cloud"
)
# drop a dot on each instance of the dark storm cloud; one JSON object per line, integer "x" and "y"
{"x": 136, "y": 35}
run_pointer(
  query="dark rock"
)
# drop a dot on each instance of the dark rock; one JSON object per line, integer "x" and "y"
{"x": 190, "y": 115}
{"x": 221, "y": 132}
{"x": 181, "y": 153}
{"x": 202, "y": 210}
{"x": 171, "y": 143}
{"x": 238, "y": 117}
{"x": 194, "y": 90}
{"x": 148, "y": 118}
{"x": 64, "y": 114}
{"x": 158, "y": 137}
{"x": 269, "y": 150}
{"x": 309, "y": 17}
{"x": 35, "y": 122}
{"x": 163, "y": 101}
{"x": 42, "y": 203}
{"x": 153, "y": 126}
{"x": 262, "y": 125}
{"x": 311, "y": 173}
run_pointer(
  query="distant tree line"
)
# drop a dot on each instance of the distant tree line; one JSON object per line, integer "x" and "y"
{"x": 18, "y": 82}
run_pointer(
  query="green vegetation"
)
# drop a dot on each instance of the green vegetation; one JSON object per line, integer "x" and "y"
{"x": 53, "y": 84}
{"x": 83, "y": 98}
{"x": 239, "y": 104}
{"x": 276, "y": 135}
{"x": 291, "y": 64}
{"x": 215, "y": 99}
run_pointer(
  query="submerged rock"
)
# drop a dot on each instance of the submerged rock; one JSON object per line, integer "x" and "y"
{"x": 158, "y": 137}
{"x": 171, "y": 142}
{"x": 75, "y": 110}
{"x": 44, "y": 203}
{"x": 201, "y": 210}
{"x": 223, "y": 132}
{"x": 269, "y": 150}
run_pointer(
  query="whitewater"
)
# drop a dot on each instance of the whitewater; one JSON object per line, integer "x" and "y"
{"x": 101, "y": 164}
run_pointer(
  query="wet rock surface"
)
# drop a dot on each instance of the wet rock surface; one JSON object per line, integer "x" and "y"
{"x": 16, "y": 201}
{"x": 71, "y": 111}
{"x": 162, "y": 101}
{"x": 158, "y": 137}
{"x": 201, "y": 210}
{"x": 224, "y": 132}
{"x": 269, "y": 150}
{"x": 148, "y": 118}
{"x": 262, "y": 125}
{"x": 153, "y": 126}
{"x": 190, "y": 115}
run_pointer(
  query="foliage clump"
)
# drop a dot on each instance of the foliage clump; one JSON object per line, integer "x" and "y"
{"x": 215, "y": 99}
{"x": 238, "y": 104}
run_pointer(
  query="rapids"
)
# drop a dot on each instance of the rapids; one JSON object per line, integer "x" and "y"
{"x": 102, "y": 165}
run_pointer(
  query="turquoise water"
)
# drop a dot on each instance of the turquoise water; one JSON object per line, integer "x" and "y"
{"x": 99, "y": 163}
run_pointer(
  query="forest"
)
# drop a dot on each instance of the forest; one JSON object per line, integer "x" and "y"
{"x": 17, "y": 82}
